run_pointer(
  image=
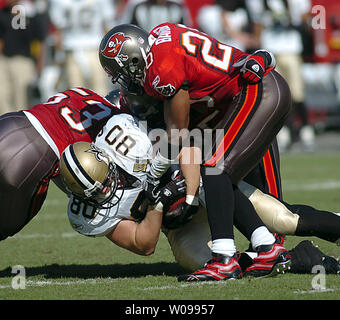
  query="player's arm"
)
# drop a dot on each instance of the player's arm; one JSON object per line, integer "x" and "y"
{"x": 190, "y": 163}
{"x": 139, "y": 238}
{"x": 176, "y": 111}
{"x": 176, "y": 116}
{"x": 142, "y": 238}
{"x": 183, "y": 211}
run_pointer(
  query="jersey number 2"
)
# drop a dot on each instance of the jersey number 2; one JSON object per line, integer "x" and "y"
{"x": 220, "y": 61}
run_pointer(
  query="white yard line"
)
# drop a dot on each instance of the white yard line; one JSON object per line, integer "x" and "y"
{"x": 39, "y": 283}
{"x": 93, "y": 281}
{"x": 185, "y": 285}
{"x": 311, "y": 186}
{"x": 315, "y": 290}
{"x": 45, "y": 235}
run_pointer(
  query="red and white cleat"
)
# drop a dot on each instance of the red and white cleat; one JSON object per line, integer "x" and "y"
{"x": 220, "y": 267}
{"x": 270, "y": 261}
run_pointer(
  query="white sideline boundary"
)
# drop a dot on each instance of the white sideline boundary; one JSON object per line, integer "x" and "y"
{"x": 311, "y": 186}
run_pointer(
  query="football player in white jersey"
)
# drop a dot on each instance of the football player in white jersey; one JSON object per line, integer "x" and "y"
{"x": 107, "y": 181}
{"x": 79, "y": 27}
{"x": 108, "y": 178}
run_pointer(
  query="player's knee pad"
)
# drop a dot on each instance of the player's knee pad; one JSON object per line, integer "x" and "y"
{"x": 190, "y": 244}
{"x": 274, "y": 214}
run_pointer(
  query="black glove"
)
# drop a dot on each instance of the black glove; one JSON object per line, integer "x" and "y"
{"x": 173, "y": 192}
{"x": 179, "y": 216}
{"x": 152, "y": 188}
{"x": 255, "y": 66}
{"x": 140, "y": 206}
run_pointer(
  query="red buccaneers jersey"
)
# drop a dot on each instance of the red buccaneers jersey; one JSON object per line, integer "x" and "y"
{"x": 181, "y": 57}
{"x": 74, "y": 115}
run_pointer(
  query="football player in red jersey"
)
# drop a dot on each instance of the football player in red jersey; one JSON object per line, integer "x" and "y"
{"x": 263, "y": 184}
{"x": 32, "y": 141}
{"x": 250, "y": 100}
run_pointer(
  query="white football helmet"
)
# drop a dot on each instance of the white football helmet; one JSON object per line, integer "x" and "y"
{"x": 88, "y": 173}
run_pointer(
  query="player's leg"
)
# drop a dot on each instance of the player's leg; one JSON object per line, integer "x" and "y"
{"x": 261, "y": 108}
{"x": 270, "y": 254}
{"x": 318, "y": 223}
{"x": 219, "y": 198}
{"x": 26, "y": 162}
{"x": 74, "y": 70}
{"x": 6, "y": 88}
{"x": 296, "y": 219}
{"x": 23, "y": 71}
{"x": 266, "y": 175}
{"x": 191, "y": 243}
{"x": 251, "y": 128}
{"x": 267, "y": 178}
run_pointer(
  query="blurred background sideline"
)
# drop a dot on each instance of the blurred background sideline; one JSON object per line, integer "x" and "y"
{"x": 47, "y": 46}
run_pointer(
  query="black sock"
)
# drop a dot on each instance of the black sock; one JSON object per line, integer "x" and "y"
{"x": 219, "y": 198}
{"x": 312, "y": 222}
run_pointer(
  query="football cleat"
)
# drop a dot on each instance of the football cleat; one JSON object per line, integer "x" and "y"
{"x": 279, "y": 238}
{"x": 270, "y": 261}
{"x": 306, "y": 255}
{"x": 220, "y": 267}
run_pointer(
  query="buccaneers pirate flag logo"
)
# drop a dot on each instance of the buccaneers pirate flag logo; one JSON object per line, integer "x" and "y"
{"x": 114, "y": 45}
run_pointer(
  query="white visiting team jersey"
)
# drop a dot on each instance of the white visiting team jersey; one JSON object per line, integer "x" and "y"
{"x": 83, "y": 22}
{"x": 131, "y": 150}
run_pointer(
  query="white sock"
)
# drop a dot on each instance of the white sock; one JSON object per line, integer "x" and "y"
{"x": 223, "y": 246}
{"x": 261, "y": 236}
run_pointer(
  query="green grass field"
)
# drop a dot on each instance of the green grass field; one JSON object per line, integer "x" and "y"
{"x": 62, "y": 265}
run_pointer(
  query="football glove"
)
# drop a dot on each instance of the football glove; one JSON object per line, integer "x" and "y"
{"x": 255, "y": 66}
{"x": 182, "y": 214}
{"x": 140, "y": 206}
{"x": 172, "y": 194}
{"x": 152, "y": 188}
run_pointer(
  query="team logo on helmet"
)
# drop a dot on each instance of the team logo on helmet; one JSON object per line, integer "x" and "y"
{"x": 114, "y": 45}
{"x": 98, "y": 153}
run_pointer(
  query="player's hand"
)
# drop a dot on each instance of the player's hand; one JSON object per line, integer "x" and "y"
{"x": 152, "y": 189}
{"x": 180, "y": 215}
{"x": 255, "y": 66}
{"x": 172, "y": 194}
{"x": 253, "y": 70}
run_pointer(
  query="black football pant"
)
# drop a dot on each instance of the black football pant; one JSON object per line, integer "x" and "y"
{"x": 249, "y": 130}
{"x": 26, "y": 164}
